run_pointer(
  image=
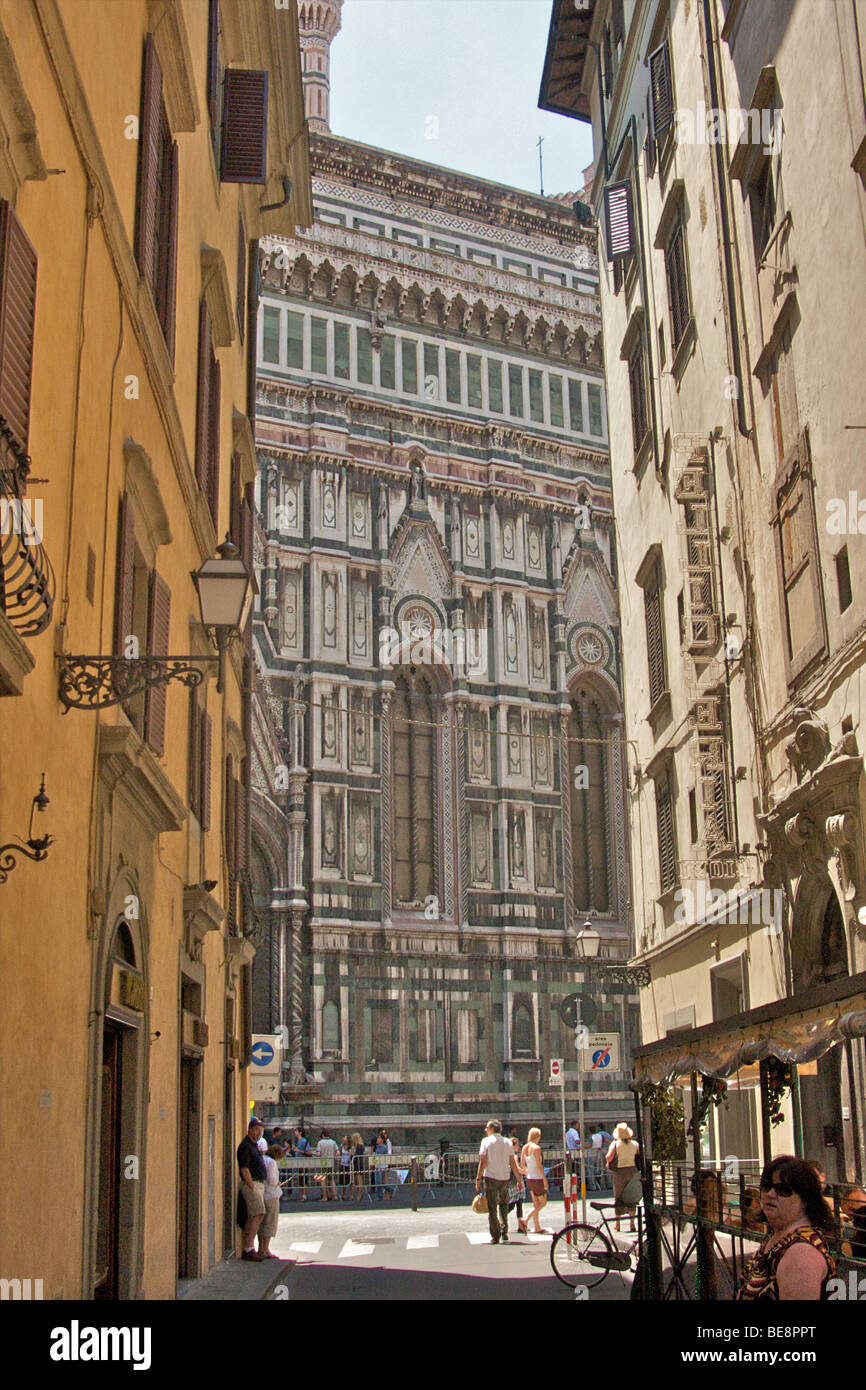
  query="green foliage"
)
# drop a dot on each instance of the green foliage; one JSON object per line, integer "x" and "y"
{"x": 713, "y": 1092}
{"x": 668, "y": 1122}
{"x": 778, "y": 1082}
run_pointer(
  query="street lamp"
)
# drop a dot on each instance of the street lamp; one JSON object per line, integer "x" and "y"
{"x": 587, "y": 943}
{"x": 34, "y": 847}
{"x": 225, "y": 593}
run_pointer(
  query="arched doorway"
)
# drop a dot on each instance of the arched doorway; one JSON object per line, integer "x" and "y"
{"x": 819, "y": 956}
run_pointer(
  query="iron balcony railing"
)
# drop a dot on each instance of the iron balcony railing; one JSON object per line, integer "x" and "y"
{"x": 26, "y": 576}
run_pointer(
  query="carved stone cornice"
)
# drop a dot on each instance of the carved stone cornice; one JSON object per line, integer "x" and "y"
{"x": 126, "y": 761}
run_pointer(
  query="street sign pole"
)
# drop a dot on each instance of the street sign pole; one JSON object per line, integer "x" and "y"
{"x": 581, "y": 1123}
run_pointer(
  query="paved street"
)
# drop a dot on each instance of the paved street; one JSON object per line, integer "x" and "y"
{"x": 437, "y": 1252}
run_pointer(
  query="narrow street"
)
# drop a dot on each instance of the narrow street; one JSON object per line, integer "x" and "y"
{"x": 435, "y": 1253}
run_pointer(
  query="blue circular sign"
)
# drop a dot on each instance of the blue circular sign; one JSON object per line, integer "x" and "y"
{"x": 262, "y": 1053}
{"x": 601, "y": 1058}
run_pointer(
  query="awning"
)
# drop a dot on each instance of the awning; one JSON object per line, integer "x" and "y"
{"x": 798, "y": 1029}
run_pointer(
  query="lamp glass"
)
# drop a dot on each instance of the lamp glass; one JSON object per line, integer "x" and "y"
{"x": 223, "y": 585}
{"x": 588, "y": 942}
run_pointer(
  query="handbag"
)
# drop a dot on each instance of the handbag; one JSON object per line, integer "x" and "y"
{"x": 479, "y": 1204}
{"x": 611, "y": 1162}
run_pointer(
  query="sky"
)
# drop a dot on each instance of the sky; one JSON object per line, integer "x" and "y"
{"x": 455, "y": 82}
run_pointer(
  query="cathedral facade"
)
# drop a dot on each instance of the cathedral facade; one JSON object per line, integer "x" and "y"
{"x": 438, "y": 772}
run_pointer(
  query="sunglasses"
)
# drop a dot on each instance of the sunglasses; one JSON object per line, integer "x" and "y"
{"x": 781, "y": 1189}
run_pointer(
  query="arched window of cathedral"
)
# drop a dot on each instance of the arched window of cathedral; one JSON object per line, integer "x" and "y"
{"x": 330, "y": 1027}
{"x": 590, "y": 828}
{"x": 522, "y": 1031}
{"x": 414, "y": 743}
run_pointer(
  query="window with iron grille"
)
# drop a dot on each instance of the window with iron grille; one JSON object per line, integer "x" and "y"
{"x": 667, "y": 835}
{"x": 637, "y": 388}
{"x": 655, "y": 636}
{"x": 678, "y": 283}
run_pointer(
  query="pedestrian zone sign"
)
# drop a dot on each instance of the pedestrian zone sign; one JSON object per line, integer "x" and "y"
{"x": 601, "y": 1052}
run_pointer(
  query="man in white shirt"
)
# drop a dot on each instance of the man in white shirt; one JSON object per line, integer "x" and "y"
{"x": 496, "y": 1162}
{"x": 572, "y": 1137}
{"x": 327, "y": 1150}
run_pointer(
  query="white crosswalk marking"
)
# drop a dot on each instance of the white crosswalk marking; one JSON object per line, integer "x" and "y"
{"x": 477, "y": 1237}
{"x": 307, "y": 1247}
{"x": 353, "y": 1248}
{"x": 542, "y": 1236}
{"x": 422, "y": 1243}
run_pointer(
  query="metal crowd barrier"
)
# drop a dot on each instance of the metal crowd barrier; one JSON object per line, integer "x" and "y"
{"x": 451, "y": 1175}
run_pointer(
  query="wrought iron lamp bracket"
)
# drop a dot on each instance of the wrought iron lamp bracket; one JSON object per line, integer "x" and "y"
{"x": 33, "y": 849}
{"x": 626, "y": 974}
{"x": 99, "y": 682}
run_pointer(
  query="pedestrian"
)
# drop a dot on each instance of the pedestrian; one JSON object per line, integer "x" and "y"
{"x": 345, "y": 1176}
{"x": 572, "y": 1137}
{"x": 327, "y": 1149}
{"x": 515, "y": 1193}
{"x": 596, "y": 1155}
{"x": 383, "y": 1149}
{"x": 621, "y": 1161}
{"x": 268, "y": 1228}
{"x": 251, "y": 1194}
{"x": 536, "y": 1180}
{"x": 496, "y": 1163}
{"x": 302, "y": 1150}
{"x": 794, "y": 1261}
{"x": 359, "y": 1167}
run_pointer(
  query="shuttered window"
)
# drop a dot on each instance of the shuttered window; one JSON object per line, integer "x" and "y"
{"x": 655, "y": 637}
{"x": 661, "y": 90}
{"x": 637, "y": 388}
{"x": 208, "y": 422}
{"x": 230, "y": 816}
{"x": 800, "y": 584}
{"x": 194, "y": 756}
{"x": 213, "y": 62}
{"x": 666, "y": 829}
{"x": 650, "y": 139}
{"x": 158, "y": 629}
{"x": 678, "y": 284}
{"x": 243, "y": 158}
{"x": 618, "y": 220}
{"x": 17, "y": 321}
{"x": 125, "y": 580}
{"x": 241, "y": 289}
{"x": 156, "y": 226}
{"x": 206, "y": 754}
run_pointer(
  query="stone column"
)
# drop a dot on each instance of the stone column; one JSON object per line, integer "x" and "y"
{"x": 567, "y": 868}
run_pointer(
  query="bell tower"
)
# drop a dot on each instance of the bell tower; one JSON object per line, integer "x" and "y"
{"x": 319, "y": 23}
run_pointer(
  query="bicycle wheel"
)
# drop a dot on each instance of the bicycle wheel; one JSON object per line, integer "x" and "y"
{"x": 581, "y": 1255}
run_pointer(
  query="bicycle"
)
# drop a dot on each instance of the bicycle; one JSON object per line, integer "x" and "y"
{"x": 582, "y": 1255}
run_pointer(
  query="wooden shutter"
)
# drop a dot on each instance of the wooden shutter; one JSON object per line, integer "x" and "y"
{"x": 17, "y": 323}
{"x": 206, "y": 753}
{"x": 678, "y": 289}
{"x": 666, "y": 833}
{"x": 213, "y": 60}
{"x": 213, "y": 475}
{"x": 661, "y": 91}
{"x": 608, "y": 62}
{"x": 149, "y": 159}
{"x": 243, "y": 158}
{"x": 650, "y": 139}
{"x": 655, "y": 640}
{"x": 125, "y": 578}
{"x": 637, "y": 384}
{"x": 168, "y": 295}
{"x": 241, "y": 288}
{"x": 158, "y": 628}
{"x": 618, "y": 220}
{"x": 241, "y": 824}
{"x": 236, "y": 501}
{"x": 230, "y": 816}
{"x": 205, "y": 357}
{"x": 246, "y": 542}
{"x": 617, "y": 21}
{"x": 194, "y": 755}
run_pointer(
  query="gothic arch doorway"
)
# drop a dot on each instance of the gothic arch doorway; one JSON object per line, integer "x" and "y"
{"x": 827, "y": 1090}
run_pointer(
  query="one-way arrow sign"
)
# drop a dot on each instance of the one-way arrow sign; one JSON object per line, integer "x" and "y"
{"x": 265, "y": 1052}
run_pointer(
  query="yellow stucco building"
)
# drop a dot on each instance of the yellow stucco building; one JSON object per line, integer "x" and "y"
{"x": 139, "y": 144}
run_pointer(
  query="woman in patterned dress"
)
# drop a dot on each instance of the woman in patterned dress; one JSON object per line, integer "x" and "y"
{"x": 794, "y": 1261}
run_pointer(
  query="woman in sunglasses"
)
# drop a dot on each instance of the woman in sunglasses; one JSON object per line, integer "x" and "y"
{"x": 794, "y": 1261}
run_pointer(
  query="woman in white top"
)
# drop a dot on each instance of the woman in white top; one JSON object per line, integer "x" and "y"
{"x": 620, "y": 1161}
{"x": 268, "y": 1228}
{"x": 533, "y": 1163}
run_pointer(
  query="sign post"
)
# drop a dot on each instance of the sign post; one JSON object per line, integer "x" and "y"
{"x": 557, "y": 1078}
{"x": 266, "y": 1058}
{"x": 580, "y": 1036}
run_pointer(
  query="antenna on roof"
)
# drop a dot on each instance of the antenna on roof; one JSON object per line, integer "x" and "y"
{"x": 539, "y": 142}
